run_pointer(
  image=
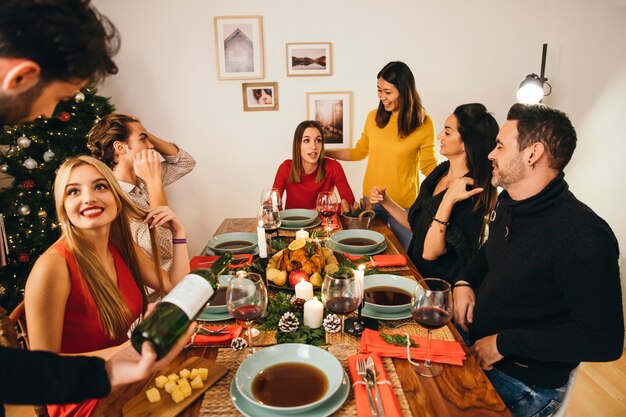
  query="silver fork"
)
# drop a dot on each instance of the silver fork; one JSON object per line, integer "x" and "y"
{"x": 371, "y": 368}
{"x": 361, "y": 369}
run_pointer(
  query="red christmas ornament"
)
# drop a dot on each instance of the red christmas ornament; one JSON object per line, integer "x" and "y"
{"x": 23, "y": 257}
{"x": 28, "y": 184}
{"x": 64, "y": 116}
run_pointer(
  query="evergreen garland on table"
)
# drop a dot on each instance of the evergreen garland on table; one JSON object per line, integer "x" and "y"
{"x": 30, "y": 155}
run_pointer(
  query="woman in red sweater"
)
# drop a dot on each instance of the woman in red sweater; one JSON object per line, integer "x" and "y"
{"x": 308, "y": 172}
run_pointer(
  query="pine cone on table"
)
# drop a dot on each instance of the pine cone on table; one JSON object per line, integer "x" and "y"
{"x": 288, "y": 323}
{"x": 332, "y": 323}
{"x": 297, "y": 303}
{"x": 238, "y": 343}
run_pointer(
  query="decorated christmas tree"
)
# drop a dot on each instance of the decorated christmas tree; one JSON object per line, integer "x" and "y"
{"x": 30, "y": 154}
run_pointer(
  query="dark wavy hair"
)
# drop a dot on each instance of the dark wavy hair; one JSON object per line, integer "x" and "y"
{"x": 105, "y": 132}
{"x": 69, "y": 39}
{"x": 478, "y": 130}
{"x": 296, "y": 156}
{"x": 540, "y": 123}
{"x": 411, "y": 112}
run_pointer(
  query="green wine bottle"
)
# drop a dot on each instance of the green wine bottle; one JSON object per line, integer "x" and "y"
{"x": 170, "y": 318}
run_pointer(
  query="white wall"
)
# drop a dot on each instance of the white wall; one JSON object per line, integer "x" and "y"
{"x": 459, "y": 51}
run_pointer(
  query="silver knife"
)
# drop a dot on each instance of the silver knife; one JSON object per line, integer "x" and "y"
{"x": 371, "y": 371}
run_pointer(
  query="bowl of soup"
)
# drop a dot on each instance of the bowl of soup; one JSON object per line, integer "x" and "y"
{"x": 388, "y": 293}
{"x": 218, "y": 303}
{"x": 235, "y": 242}
{"x": 297, "y": 217}
{"x": 357, "y": 241}
{"x": 289, "y": 378}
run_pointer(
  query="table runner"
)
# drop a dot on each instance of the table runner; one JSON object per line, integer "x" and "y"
{"x": 217, "y": 401}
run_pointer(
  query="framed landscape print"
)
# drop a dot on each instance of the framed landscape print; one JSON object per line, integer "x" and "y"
{"x": 260, "y": 96}
{"x": 239, "y": 47}
{"x": 333, "y": 111}
{"x": 309, "y": 58}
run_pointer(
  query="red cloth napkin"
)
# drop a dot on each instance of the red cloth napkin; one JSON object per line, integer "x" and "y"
{"x": 229, "y": 333}
{"x": 240, "y": 259}
{"x": 380, "y": 260}
{"x": 441, "y": 351}
{"x": 390, "y": 401}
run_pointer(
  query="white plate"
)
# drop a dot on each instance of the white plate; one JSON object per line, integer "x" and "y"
{"x": 249, "y": 409}
{"x": 383, "y": 247}
{"x": 246, "y": 237}
{"x": 315, "y": 223}
{"x": 211, "y": 253}
{"x": 368, "y": 312}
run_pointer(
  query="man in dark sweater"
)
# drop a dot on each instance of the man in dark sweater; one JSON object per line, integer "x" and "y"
{"x": 547, "y": 280}
{"x": 48, "y": 51}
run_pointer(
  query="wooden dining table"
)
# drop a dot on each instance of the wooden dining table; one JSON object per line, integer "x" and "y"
{"x": 460, "y": 391}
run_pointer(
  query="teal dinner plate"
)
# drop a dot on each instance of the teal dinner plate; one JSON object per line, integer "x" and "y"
{"x": 206, "y": 316}
{"x": 298, "y": 217}
{"x": 284, "y": 353}
{"x": 374, "y": 314}
{"x": 397, "y": 282}
{"x": 341, "y": 240}
{"x": 315, "y": 223}
{"x": 331, "y": 405}
{"x": 244, "y": 242}
{"x": 209, "y": 252}
{"x": 378, "y": 249}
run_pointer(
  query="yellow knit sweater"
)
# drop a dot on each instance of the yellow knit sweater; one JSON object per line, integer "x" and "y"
{"x": 393, "y": 161}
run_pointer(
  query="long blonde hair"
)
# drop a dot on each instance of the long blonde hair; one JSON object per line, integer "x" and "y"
{"x": 115, "y": 314}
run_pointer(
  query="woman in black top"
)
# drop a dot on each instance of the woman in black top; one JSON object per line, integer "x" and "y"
{"x": 447, "y": 218}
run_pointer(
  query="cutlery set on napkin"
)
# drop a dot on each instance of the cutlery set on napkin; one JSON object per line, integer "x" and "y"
{"x": 215, "y": 335}
{"x": 373, "y": 393}
{"x": 380, "y": 260}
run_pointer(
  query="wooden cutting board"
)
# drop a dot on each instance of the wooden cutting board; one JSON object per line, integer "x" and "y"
{"x": 139, "y": 406}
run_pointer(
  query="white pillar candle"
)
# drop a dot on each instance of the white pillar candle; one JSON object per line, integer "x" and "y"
{"x": 313, "y": 313}
{"x": 260, "y": 231}
{"x": 304, "y": 290}
{"x": 359, "y": 273}
{"x": 302, "y": 234}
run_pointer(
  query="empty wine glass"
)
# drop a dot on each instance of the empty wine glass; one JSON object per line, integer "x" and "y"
{"x": 271, "y": 196}
{"x": 269, "y": 218}
{"x": 431, "y": 306}
{"x": 327, "y": 205}
{"x": 341, "y": 294}
{"x": 246, "y": 298}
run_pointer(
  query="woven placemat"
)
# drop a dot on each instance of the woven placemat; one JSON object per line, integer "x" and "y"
{"x": 217, "y": 401}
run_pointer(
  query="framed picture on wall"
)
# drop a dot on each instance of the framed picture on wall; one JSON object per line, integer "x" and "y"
{"x": 309, "y": 58}
{"x": 260, "y": 96}
{"x": 239, "y": 47}
{"x": 333, "y": 111}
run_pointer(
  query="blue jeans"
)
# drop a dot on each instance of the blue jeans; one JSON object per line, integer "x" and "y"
{"x": 523, "y": 400}
{"x": 402, "y": 233}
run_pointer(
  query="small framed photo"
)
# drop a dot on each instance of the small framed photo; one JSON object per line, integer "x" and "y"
{"x": 333, "y": 111}
{"x": 239, "y": 46}
{"x": 309, "y": 58}
{"x": 260, "y": 96}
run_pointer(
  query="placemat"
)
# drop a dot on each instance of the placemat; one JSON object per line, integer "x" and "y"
{"x": 217, "y": 401}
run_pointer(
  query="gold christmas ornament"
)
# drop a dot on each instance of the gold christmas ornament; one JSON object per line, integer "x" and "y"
{"x": 42, "y": 213}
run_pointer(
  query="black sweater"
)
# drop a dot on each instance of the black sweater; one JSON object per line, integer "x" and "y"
{"x": 549, "y": 286}
{"x": 462, "y": 234}
{"x": 46, "y": 378}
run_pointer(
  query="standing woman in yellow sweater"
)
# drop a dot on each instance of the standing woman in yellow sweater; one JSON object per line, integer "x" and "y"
{"x": 399, "y": 138}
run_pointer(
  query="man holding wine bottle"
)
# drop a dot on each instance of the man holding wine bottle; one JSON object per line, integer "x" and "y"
{"x": 547, "y": 280}
{"x": 48, "y": 52}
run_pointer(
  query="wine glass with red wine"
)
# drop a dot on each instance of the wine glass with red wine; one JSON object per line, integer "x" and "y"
{"x": 431, "y": 307}
{"x": 341, "y": 294}
{"x": 327, "y": 205}
{"x": 269, "y": 218}
{"x": 246, "y": 298}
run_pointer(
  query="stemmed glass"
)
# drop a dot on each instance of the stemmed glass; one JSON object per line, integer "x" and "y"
{"x": 271, "y": 196}
{"x": 327, "y": 205}
{"x": 431, "y": 306}
{"x": 269, "y": 218}
{"x": 341, "y": 294}
{"x": 246, "y": 298}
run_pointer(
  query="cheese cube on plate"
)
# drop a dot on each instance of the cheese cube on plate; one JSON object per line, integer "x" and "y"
{"x": 186, "y": 390}
{"x": 204, "y": 373}
{"x": 177, "y": 395}
{"x": 197, "y": 382}
{"x": 160, "y": 381}
{"x": 170, "y": 386}
{"x": 184, "y": 373}
{"x": 173, "y": 377}
{"x": 153, "y": 395}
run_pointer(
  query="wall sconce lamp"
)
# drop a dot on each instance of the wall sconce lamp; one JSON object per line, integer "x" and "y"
{"x": 531, "y": 90}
